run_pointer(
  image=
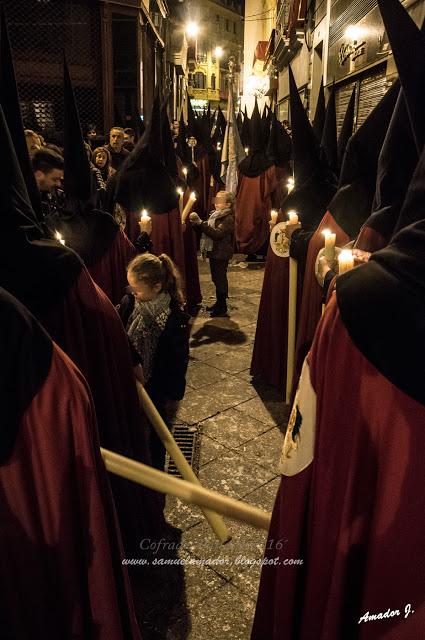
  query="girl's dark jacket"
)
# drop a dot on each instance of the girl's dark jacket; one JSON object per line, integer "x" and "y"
{"x": 168, "y": 378}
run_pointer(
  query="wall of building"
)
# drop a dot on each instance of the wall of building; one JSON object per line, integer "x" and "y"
{"x": 260, "y": 19}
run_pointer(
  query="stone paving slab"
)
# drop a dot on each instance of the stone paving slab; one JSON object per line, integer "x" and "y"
{"x": 182, "y": 515}
{"x": 200, "y": 374}
{"x": 264, "y": 497}
{"x": 270, "y": 412}
{"x": 234, "y": 475}
{"x": 196, "y": 406}
{"x": 210, "y": 450}
{"x": 232, "y": 428}
{"x": 245, "y": 548}
{"x": 234, "y": 361}
{"x": 216, "y": 620}
{"x": 265, "y": 449}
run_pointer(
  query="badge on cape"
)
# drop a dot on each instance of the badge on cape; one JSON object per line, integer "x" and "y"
{"x": 278, "y": 240}
{"x": 298, "y": 446}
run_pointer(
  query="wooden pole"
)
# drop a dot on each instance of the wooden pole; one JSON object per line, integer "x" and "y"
{"x": 292, "y": 319}
{"x": 214, "y": 520}
{"x": 187, "y": 491}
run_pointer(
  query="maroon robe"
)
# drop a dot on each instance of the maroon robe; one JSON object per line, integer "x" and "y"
{"x": 88, "y": 328}
{"x": 167, "y": 237}
{"x": 355, "y": 514}
{"x": 202, "y": 186}
{"x": 252, "y": 210}
{"x": 271, "y": 336}
{"x": 311, "y": 299}
{"x": 369, "y": 240}
{"x": 191, "y": 273}
{"x": 110, "y": 273}
{"x": 132, "y": 228}
{"x": 60, "y": 570}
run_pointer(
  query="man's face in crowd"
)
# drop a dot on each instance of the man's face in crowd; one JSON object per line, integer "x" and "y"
{"x": 128, "y": 137}
{"x": 50, "y": 180}
{"x": 33, "y": 144}
{"x": 116, "y": 139}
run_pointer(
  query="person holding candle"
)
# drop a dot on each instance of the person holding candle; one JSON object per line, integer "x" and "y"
{"x": 217, "y": 245}
{"x": 158, "y": 330}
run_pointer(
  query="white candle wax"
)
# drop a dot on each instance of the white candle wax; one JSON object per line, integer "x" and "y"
{"x": 273, "y": 216}
{"x": 329, "y": 245}
{"x": 180, "y": 192}
{"x": 189, "y": 205}
{"x": 293, "y": 217}
{"x": 345, "y": 261}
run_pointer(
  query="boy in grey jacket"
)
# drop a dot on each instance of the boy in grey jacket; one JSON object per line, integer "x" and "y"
{"x": 217, "y": 244}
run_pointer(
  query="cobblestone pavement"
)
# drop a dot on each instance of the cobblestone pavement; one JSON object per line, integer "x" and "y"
{"x": 212, "y": 593}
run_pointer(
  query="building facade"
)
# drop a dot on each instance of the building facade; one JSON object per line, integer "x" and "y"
{"x": 117, "y": 51}
{"x": 219, "y": 36}
{"x": 341, "y": 41}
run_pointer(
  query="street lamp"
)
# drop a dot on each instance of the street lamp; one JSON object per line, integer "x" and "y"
{"x": 218, "y": 52}
{"x": 192, "y": 29}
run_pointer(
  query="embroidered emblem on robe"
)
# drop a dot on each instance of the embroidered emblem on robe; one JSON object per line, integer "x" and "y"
{"x": 298, "y": 446}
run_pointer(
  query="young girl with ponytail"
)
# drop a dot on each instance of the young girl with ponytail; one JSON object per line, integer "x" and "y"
{"x": 158, "y": 330}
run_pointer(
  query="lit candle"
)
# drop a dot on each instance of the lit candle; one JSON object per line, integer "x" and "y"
{"x": 290, "y": 184}
{"x": 145, "y": 221}
{"x": 180, "y": 192}
{"x": 218, "y": 146}
{"x": 345, "y": 261}
{"x": 189, "y": 205}
{"x": 273, "y": 216}
{"x": 329, "y": 245}
{"x": 58, "y": 236}
{"x": 293, "y": 217}
{"x": 185, "y": 172}
{"x": 246, "y": 150}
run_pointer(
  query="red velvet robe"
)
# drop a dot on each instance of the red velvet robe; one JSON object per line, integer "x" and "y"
{"x": 311, "y": 299}
{"x": 354, "y": 515}
{"x": 60, "y": 568}
{"x": 110, "y": 273}
{"x": 167, "y": 237}
{"x": 89, "y": 330}
{"x": 271, "y": 337}
{"x": 369, "y": 240}
{"x": 252, "y": 211}
{"x": 191, "y": 273}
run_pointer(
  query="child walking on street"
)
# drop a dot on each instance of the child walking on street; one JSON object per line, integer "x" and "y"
{"x": 217, "y": 245}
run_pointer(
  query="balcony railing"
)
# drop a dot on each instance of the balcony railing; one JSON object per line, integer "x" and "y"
{"x": 203, "y": 94}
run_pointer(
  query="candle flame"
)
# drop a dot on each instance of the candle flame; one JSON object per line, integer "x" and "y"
{"x": 193, "y": 196}
{"x": 58, "y": 236}
{"x": 292, "y": 212}
{"x": 144, "y": 213}
{"x": 180, "y": 191}
{"x": 326, "y": 232}
{"x": 346, "y": 254}
{"x": 185, "y": 171}
{"x": 291, "y": 181}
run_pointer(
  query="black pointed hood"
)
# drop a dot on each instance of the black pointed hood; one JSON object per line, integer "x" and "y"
{"x": 9, "y": 99}
{"x": 38, "y": 272}
{"x": 329, "y": 138}
{"x": 397, "y": 162}
{"x": 279, "y": 147}
{"x": 257, "y": 161}
{"x": 246, "y": 131}
{"x": 407, "y": 44}
{"x": 77, "y": 173}
{"x": 305, "y": 148}
{"x": 413, "y": 206}
{"x": 167, "y": 143}
{"x": 320, "y": 113}
{"x": 143, "y": 181}
{"x": 382, "y": 305}
{"x": 182, "y": 148}
{"x": 346, "y": 129}
{"x": 239, "y": 122}
{"x": 221, "y": 120}
{"x": 352, "y": 203}
{"x": 15, "y": 209}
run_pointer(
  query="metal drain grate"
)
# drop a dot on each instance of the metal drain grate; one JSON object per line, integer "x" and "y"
{"x": 189, "y": 442}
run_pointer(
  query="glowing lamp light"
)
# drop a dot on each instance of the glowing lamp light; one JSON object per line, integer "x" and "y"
{"x": 192, "y": 29}
{"x": 218, "y": 52}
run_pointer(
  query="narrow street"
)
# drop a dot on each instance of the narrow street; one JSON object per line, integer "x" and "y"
{"x": 238, "y": 430}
